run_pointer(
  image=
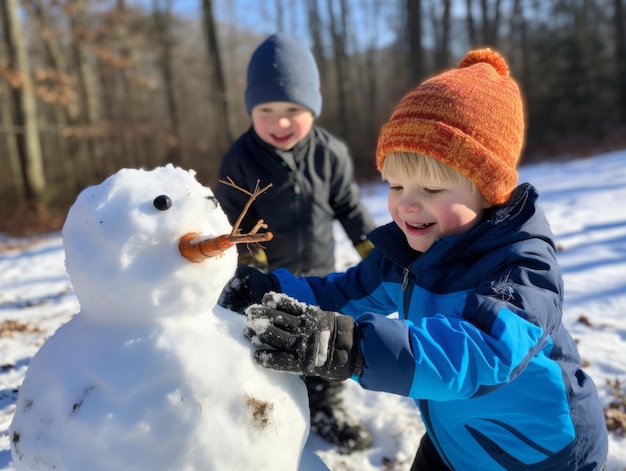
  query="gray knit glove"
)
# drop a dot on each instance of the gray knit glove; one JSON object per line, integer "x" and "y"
{"x": 304, "y": 339}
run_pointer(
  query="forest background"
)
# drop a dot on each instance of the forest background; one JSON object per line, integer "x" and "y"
{"x": 90, "y": 86}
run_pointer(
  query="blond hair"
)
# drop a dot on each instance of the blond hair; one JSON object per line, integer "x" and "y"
{"x": 412, "y": 165}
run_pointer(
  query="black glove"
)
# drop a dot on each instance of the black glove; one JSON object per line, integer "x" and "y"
{"x": 247, "y": 287}
{"x": 306, "y": 339}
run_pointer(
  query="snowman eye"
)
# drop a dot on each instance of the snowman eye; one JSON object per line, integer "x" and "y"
{"x": 162, "y": 202}
{"x": 213, "y": 200}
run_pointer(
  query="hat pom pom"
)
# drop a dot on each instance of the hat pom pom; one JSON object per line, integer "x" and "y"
{"x": 487, "y": 56}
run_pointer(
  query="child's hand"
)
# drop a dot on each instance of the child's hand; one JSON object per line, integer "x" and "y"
{"x": 305, "y": 339}
{"x": 255, "y": 257}
{"x": 247, "y": 287}
{"x": 364, "y": 248}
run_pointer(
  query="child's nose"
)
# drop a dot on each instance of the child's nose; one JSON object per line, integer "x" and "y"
{"x": 283, "y": 122}
{"x": 410, "y": 204}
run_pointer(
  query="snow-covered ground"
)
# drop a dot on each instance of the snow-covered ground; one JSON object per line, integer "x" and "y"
{"x": 585, "y": 201}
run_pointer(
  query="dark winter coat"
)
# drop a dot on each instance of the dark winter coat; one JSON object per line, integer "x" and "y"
{"x": 313, "y": 184}
{"x": 479, "y": 342}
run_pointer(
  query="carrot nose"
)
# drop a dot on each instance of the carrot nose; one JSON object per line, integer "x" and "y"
{"x": 196, "y": 250}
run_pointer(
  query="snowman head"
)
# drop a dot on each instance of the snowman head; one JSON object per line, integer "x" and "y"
{"x": 121, "y": 241}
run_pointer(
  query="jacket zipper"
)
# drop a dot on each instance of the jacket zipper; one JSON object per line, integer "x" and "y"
{"x": 405, "y": 279}
{"x": 296, "y": 187}
{"x": 406, "y": 292}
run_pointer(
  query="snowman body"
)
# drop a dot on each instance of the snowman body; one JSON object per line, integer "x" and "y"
{"x": 152, "y": 373}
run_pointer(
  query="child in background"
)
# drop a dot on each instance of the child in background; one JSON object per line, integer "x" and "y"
{"x": 469, "y": 265}
{"x": 312, "y": 179}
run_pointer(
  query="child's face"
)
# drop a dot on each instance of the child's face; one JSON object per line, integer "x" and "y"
{"x": 426, "y": 210}
{"x": 281, "y": 124}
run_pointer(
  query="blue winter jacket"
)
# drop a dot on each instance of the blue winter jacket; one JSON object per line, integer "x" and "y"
{"x": 479, "y": 342}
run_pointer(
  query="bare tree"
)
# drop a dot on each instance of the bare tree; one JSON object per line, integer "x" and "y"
{"x": 568, "y": 55}
{"x": 11, "y": 142}
{"x": 163, "y": 22}
{"x": 415, "y": 52}
{"x": 471, "y": 25}
{"x": 441, "y": 26}
{"x": 65, "y": 105}
{"x": 53, "y": 50}
{"x": 280, "y": 17}
{"x": 24, "y": 104}
{"x": 315, "y": 25}
{"x": 619, "y": 19}
{"x": 88, "y": 90}
{"x": 520, "y": 55}
{"x": 490, "y": 12}
{"x": 339, "y": 37}
{"x": 127, "y": 109}
{"x": 366, "y": 79}
{"x": 217, "y": 82}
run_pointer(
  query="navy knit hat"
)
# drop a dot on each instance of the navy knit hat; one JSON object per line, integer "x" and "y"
{"x": 283, "y": 69}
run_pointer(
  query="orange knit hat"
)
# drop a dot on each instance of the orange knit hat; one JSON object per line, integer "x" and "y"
{"x": 470, "y": 118}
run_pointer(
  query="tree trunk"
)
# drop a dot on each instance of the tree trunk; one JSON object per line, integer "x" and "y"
{"x": 519, "y": 40}
{"x": 89, "y": 104}
{"x": 163, "y": 24}
{"x": 280, "y": 17}
{"x": 53, "y": 51}
{"x": 415, "y": 53}
{"x": 64, "y": 113}
{"x": 127, "y": 110}
{"x": 620, "y": 56}
{"x": 315, "y": 25}
{"x": 490, "y": 23}
{"x": 25, "y": 107}
{"x": 337, "y": 27}
{"x": 442, "y": 40}
{"x": 366, "y": 100}
{"x": 11, "y": 142}
{"x": 471, "y": 26}
{"x": 223, "y": 133}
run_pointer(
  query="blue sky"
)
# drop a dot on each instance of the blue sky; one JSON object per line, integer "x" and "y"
{"x": 370, "y": 25}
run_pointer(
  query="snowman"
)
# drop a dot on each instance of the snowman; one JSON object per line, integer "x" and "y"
{"x": 152, "y": 374}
